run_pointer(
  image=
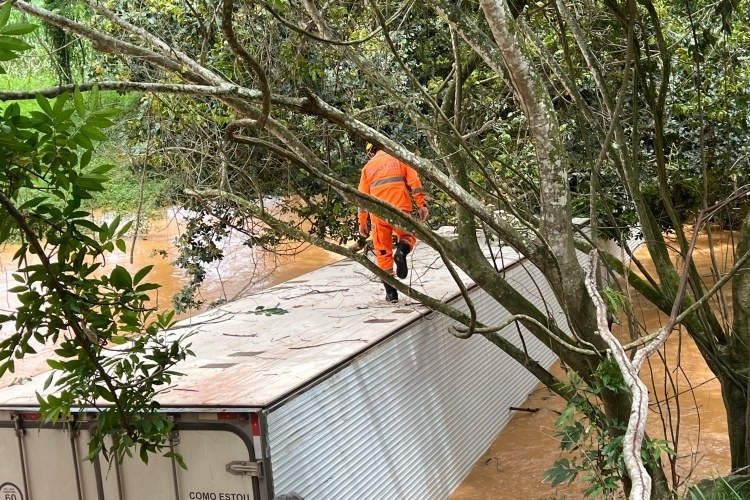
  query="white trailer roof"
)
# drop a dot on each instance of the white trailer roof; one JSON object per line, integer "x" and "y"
{"x": 248, "y": 360}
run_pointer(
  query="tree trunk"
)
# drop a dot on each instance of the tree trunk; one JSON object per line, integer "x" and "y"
{"x": 735, "y": 396}
{"x": 60, "y": 45}
{"x": 735, "y": 403}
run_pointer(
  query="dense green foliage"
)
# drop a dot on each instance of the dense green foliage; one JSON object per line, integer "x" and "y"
{"x": 701, "y": 132}
{"x": 593, "y": 446}
{"x": 110, "y": 352}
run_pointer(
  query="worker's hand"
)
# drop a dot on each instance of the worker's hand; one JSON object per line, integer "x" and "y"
{"x": 423, "y": 213}
{"x": 364, "y": 231}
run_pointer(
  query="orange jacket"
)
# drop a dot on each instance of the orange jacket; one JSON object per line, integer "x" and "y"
{"x": 392, "y": 181}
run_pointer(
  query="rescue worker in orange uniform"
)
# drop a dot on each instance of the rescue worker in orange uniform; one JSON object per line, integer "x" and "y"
{"x": 396, "y": 183}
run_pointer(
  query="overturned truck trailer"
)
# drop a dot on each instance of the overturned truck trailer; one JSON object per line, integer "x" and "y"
{"x": 342, "y": 397}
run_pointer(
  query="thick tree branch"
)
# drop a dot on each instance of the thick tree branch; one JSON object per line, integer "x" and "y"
{"x": 633, "y": 439}
{"x": 544, "y": 130}
{"x": 223, "y": 90}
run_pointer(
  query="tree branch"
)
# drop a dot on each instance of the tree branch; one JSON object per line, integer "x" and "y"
{"x": 641, "y": 481}
{"x": 239, "y": 49}
{"x": 54, "y": 284}
{"x": 225, "y": 90}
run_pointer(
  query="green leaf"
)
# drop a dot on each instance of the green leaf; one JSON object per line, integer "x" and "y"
{"x": 15, "y": 29}
{"x": 142, "y": 274}
{"x": 93, "y": 133}
{"x": 108, "y": 112}
{"x": 12, "y": 43}
{"x": 12, "y": 110}
{"x": 165, "y": 318}
{"x": 159, "y": 423}
{"x": 87, "y": 224}
{"x": 32, "y": 203}
{"x": 177, "y": 457}
{"x": 120, "y": 278}
{"x": 48, "y": 381}
{"x": 7, "y": 55}
{"x": 561, "y": 471}
{"x": 91, "y": 182}
{"x": 125, "y": 228}
{"x": 55, "y": 364}
{"x": 106, "y": 394}
{"x": 94, "y": 98}
{"x": 99, "y": 121}
{"x": 121, "y": 245}
{"x": 44, "y": 104}
{"x": 5, "y": 13}
{"x": 102, "y": 169}
{"x": 113, "y": 226}
{"x": 83, "y": 141}
{"x": 147, "y": 286}
{"x": 78, "y": 102}
{"x": 270, "y": 311}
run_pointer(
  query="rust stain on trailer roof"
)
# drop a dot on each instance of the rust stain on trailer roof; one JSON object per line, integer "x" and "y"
{"x": 246, "y": 359}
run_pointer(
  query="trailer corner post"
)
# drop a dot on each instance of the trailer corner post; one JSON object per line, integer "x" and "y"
{"x": 20, "y": 431}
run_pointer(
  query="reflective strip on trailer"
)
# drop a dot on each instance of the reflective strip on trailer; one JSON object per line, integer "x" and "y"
{"x": 255, "y": 429}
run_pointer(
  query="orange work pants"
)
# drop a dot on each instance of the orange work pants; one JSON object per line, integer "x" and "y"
{"x": 382, "y": 240}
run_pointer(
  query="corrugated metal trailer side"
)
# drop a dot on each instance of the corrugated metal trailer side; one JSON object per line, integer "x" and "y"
{"x": 44, "y": 461}
{"x": 408, "y": 418}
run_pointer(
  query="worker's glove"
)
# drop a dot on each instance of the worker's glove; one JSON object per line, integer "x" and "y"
{"x": 364, "y": 231}
{"x": 423, "y": 213}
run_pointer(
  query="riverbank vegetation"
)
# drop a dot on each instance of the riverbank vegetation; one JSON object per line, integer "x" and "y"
{"x": 130, "y": 186}
{"x": 46, "y": 174}
{"x": 518, "y": 116}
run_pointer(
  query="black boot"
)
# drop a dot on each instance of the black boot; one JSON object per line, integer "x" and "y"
{"x": 391, "y": 294}
{"x": 399, "y": 256}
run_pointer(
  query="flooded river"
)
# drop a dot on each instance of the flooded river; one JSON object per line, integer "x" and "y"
{"x": 513, "y": 466}
{"x": 244, "y": 271}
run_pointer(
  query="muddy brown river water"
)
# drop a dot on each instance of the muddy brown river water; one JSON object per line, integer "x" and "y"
{"x": 245, "y": 271}
{"x": 512, "y": 467}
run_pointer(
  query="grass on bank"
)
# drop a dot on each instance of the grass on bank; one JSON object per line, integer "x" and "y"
{"x": 122, "y": 194}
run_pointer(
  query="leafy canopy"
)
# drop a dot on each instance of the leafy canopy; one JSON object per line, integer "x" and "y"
{"x": 111, "y": 354}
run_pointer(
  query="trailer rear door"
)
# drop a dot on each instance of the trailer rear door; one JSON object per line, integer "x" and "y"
{"x": 40, "y": 462}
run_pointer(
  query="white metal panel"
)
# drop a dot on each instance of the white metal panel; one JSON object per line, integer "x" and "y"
{"x": 139, "y": 480}
{"x": 206, "y": 453}
{"x": 11, "y": 469}
{"x": 409, "y": 418}
{"x": 51, "y": 478}
{"x": 52, "y": 468}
